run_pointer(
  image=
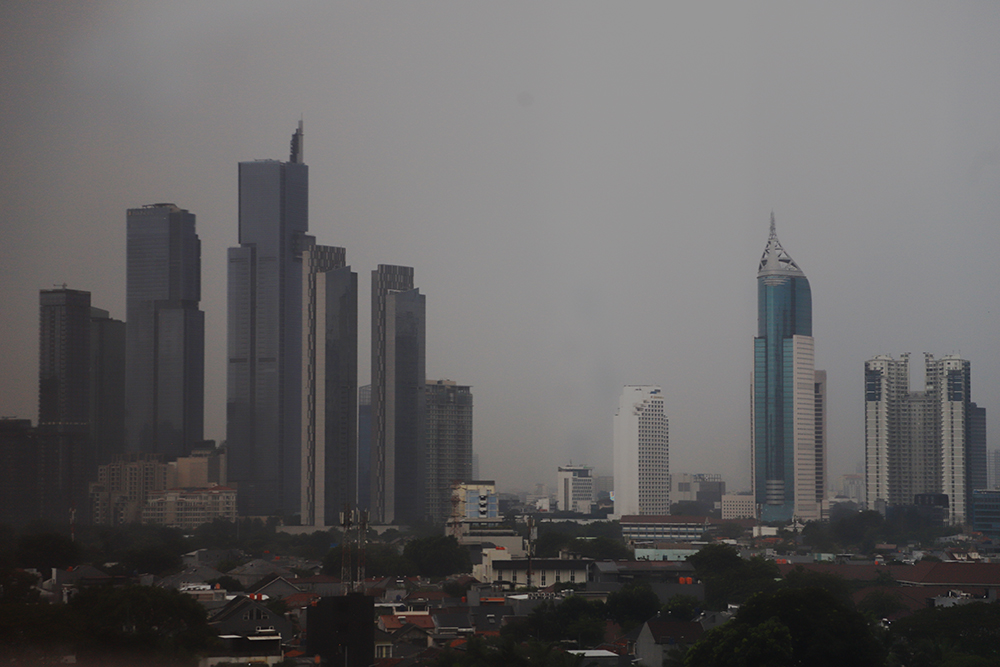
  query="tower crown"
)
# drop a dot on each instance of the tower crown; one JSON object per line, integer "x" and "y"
{"x": 776, "y": 261}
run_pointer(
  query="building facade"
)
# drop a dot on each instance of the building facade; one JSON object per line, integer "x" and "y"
{"x": 398, "y": 481}
{"x": 448, "y": 429}
{"x": 65, "y": 449}
{"x": 641, "y": 453}
{"x": 263, "y": 408}
{"x": 923, "y": 442}
{"x": 789, "y": 397}
{"x": 107, "y": 385}
{"x": 575, "y": 489}
{"x": 165, "y": 340}
{"x": 329, "y": 385}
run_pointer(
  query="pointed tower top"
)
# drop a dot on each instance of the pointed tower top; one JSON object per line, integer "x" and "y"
{"x": 297, "y": 154}
{"x": 775, "y": 261}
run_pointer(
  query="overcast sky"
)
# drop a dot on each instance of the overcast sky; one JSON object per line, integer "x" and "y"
{"x": 583, "y": 188}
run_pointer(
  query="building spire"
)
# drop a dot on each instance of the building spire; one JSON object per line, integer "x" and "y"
{"x": 775, "y": 261}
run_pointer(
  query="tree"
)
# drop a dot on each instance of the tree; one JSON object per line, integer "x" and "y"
{"x": 47, "y": 550}
{"x": 880, "y": 603}
{"x": 632, "y": 605}
{"x": 575, "y": 618}
{"x": 729, "y": 578}
{"x": 802, "y": 626}
{"x": 438, "y": 556}
{"x": 381, "y": 560}
{"x": 931, "y": 636}
{"x": 682, "y": 607}
{"x": 140, "y": 621}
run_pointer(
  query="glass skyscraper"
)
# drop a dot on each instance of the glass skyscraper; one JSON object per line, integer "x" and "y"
{"x": 165, "y": 336}
{"x": 789, "y": 397}
{"x": 263, "y": 409}
{"x": 398, "y": 457}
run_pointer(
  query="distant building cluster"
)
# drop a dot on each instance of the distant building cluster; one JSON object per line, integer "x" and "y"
{"x": 121, "y": 404}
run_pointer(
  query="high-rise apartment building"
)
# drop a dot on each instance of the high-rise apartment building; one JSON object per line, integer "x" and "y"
{"x": 789, "y": 397}
{"x": 448, "y": 429}
{"x": 263, "y": 411}
{"x": 923, "y": 442}
{"x": 364, "y": 447}
{"x": 329, "y": 385}
{"x": 165, "y": 340}
{"x": 398, "y": 486}
{"x": 641, "y": 453}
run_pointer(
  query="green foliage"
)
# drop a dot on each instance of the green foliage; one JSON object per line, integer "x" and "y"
{"x": 956, "y": 634}
{"x": 47, "y": 550}
{"x": 802, "y": 626}
{"x": 729, "y": 578}
{"x": 632, "y": 605}
{"x": 879, "y": 604}
{"x": 140, "y": 621}
{"x": 480, "y": 652}
{"x": 381, "y": 560}
{"x": 574, "y": 618}
{"x": 17, "y": 586}
{"x": 437, "y": 556}
{"x": 833, "y": 584}
{"x": 682, "y": 607}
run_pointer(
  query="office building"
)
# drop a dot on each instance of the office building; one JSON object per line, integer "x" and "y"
{"x": 263, "y": 411}
{"x": 641, "y": 453}
{"x": 364, "y": 447}
{"x": 448, "y": 430}
{"x": 789, "y": 397}
{"x": 107, "y": 385}
{"x": 994, "y": 469}
{"x": 706, "y": 488}
{"x": 923, "y": 442}
{"x": 165, "y": 341}
{"x": 398, "y": 484}
{"x": 65, "y": 449}
{"x": 575, "y": 489}
{"x": 329, "y": 385}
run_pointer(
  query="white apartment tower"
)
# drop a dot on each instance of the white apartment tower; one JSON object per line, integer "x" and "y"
{"x": 919, "y": 442}
{"x": 641, "y": 453}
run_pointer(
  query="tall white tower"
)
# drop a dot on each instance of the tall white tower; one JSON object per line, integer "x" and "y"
{"x": 641, "y": 456}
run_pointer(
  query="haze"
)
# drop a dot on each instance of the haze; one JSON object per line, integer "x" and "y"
{"x": 583, "y": 188}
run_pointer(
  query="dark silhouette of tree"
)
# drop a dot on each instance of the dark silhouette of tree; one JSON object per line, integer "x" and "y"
{"x": 632, "y": 605}
{"x": 951, "y": 635}
{"x": 800, "y": 626}
{"x": 437, "y": 556}
{"x": 47, "y": 550}
{"x": 728, "y": 577}
{"x": 141, "y": 622}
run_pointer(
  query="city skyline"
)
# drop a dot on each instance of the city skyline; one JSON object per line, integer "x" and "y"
{"x": 582, "y": 218}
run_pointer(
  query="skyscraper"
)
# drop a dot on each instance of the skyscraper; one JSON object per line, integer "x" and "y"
{"x": 107, "y": 385}
{"x": 641, "y": 453}
{"x": 449, "y": 443}
{"x": 923, "y": 442}
{"x": 165, "y": 340}
{"x": 65, "y": 451}
{"x": 789, "y": 397}
{"x": 330, "y": 381}
{"x": 398, "y": 484}
{"x": 263, "y": 411}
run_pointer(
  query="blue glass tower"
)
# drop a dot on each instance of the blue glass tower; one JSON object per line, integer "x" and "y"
{"x": 788, "y": 401}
